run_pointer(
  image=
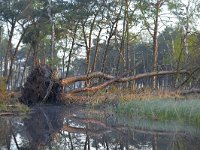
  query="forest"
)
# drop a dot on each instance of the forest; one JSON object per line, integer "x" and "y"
{"x": 99, "y": 74}
{"x": 90, "y": 44}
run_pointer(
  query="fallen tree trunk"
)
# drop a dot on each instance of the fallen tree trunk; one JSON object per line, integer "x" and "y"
{"x": 70, "y": 80}
{"x": 99, "y": 87}
{"x": 191, "y": 91}
{"x": 71, "y": 95}
{"x": 42, "y": 88}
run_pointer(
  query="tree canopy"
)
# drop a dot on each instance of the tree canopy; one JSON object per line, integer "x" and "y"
{"x": 83, "y": 36}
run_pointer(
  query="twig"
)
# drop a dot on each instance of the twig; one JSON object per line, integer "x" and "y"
{"x": 6, "y": 114}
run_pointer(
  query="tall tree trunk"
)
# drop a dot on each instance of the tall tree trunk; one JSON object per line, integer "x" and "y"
{"x": 1, "y": 61}
{"x": 44, "y": 55}
{"x": 112, "y": 31}
{"x": 187, "y": 28}
{"x": 1, "y": 68}
{"x": 52, "y": 44}
{"x": 96, "y": 51}
{"x": 12, "y": 58}
{"x": 25, "y": 65}
{"x": 86, "y": 46}
{"x": 127, "y": 3}
{"x": 155, "y": 43}
{"x": 9, "y": 47}
{"x": 121, "y": 49}
{"x": 17, "y": 74}
{"x": 49, "y": 11}
{"x": 88, "y": 43}
{"x": 72, "y": 48}
{"x": 183, "y": 44}
{"x": 63, "y": 58}
{"x": 90, "y": 40}
{"x": 35, "y": 55}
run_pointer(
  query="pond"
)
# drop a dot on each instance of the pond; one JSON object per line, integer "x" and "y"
{"x": 82, "y": 128}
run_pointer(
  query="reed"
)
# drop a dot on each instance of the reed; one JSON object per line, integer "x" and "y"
{"x": 181, "y": 110}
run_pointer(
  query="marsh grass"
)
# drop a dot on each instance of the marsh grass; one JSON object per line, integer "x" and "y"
{"x": 11, "y": 104}
{"x": 146, "y": 94}
{"x": 113, "y": 94}
{"x": 181, "y": 110}
{"x": 15, "y": 108}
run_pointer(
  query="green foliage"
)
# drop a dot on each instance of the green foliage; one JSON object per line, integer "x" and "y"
{"x": 183, "y": 110}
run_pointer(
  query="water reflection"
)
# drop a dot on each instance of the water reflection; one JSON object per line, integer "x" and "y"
{"x": 63, "y": 128}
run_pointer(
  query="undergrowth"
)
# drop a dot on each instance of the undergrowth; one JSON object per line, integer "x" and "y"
{"x": 8, "y": 100}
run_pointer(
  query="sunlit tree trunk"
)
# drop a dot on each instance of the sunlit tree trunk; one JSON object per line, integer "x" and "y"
{"x": 155, "y": 14}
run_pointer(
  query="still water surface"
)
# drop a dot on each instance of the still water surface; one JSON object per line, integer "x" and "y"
{"x": 78, "y": 128}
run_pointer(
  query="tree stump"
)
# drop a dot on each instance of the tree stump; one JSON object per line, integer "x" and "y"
{"x": 41, "y": 87}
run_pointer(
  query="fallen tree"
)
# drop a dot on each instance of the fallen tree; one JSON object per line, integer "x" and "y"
{"x": 43, "y": 87}
{"x": 71, "y": 95}
{"x": 93, "y": 75}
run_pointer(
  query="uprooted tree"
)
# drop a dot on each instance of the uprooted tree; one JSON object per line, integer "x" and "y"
{"x": 43, "y": 85}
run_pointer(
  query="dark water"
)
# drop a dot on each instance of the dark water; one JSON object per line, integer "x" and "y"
{"x": 77, "y": 128}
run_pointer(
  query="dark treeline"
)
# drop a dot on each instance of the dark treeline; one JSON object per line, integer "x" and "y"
{"x": 83, "y": 36}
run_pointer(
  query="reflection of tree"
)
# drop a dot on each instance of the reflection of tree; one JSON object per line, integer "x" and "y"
{"x": 67, "y": 128}
{"x": 8, "y": 135}
{"x": 75, "y": 130}
{"x": 5, "y": 134}
{"x": 42, "y": 125}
